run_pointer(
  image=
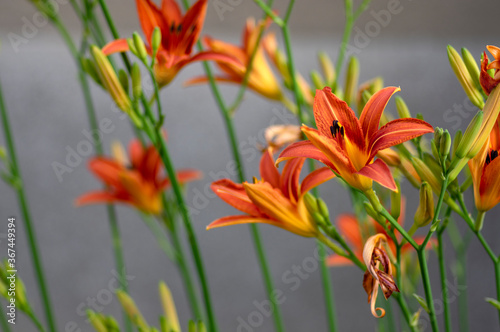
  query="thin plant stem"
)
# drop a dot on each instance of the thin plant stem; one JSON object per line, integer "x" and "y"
{"x": 400, "y": 297}
{"x": 3, "y": 322}
{"x": 427, "y": 288}
{"x": 349, "y": 23}
{"x": 444, "y": 287}
{"x": 26, "y": 216}
{"x": 327, "y": 288}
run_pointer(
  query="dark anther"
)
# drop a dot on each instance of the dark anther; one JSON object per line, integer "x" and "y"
{"x": 192, "y": 28}
{"x": 335, "y": 128}
{"x": 494, "y": 154}
{"x": 179, "y": 28}
{"x": 342, "y": 131}
{"x": 488, "y": 160}
{"x": 172, "y": 28}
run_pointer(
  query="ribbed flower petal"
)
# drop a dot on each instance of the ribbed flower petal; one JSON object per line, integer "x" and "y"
{"x": 379, "y": 171}
{"x": 315, "y": 178}
{"x": 268, "y": 170}
{"x": 116, "y": 46}
{"x": 370, "y": 117}
{"x": 304, "y": 149}
{"x": 150, "y": 17}
{"x": 397, "y": 132}
{"x": 235, "y": 195}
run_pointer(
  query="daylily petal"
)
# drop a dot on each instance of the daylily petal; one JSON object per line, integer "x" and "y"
{"x": 192, "y": 25}
{"x": 96, "y": 197}
{"x": 150, "y": 17}
{"x": 328, "y": 107}
{"x": 188, "y": 175}
{"x": 235, "y": 195}
{"x": 136, "y": 152}
{"x": 290, "y": 178}
{"x": 171, "y": 11}
{"x": 204, "y": 79}
{"x": 119, "y": 45}
{"x": 489, "y": 189}
{"x": 268, "y": 170}
{"x": 379, "y": 172}
{"x": 337, "y": 260}
{"x": 238, "y": 220}
{"x": 304, "y": 149}
{"x": 315, "y": 178}
{"x": 221, "y": 46}
{"x": 370, "y": 117}
{"x": 208, "y": 56}
{"x": 397, "y": 132}
{"x": 107, "y": 170}
{"x": 349, "y": 227}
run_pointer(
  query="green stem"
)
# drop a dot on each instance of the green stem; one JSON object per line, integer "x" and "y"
{"x": 478, "y": 225}
{"x": 428, "y": 290}
{"x": 497, "y": 281}
{"x": 26, "y": 216}
{"x": 349, "y": 23}
{"x": 3, "y": 321}
{"x": 35, "y": 321}
{"x": 327, "y": 288}
{"x": 444, "y": 287}
{"x": 400, "y": 297}
{"x": 160, "y": 237}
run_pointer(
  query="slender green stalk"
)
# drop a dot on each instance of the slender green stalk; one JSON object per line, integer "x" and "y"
{"x": 26, "y": 216}
{"x": 327, "y": 288}
{"x": 35, "y": 321}
{"x": 400, "y": 297}
{"x": 3, "y": 321}
{"x": 160, "y": 237}
{"x": 428, "y": 290}
{"x": 349, "y": 23}
{"x": 497, "y": 281}
{"x": 444, "y": 287}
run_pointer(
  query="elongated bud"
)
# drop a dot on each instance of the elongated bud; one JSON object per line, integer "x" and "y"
{"x": 491, "y": 112}
{"x": 445, "y": 145}
{"x": 112, "y": 84}
{"x": 396, "y": 202}
{"x": 111, "y": 323}
{"x": 131, "y": 310}
{"x": 131, "y": 46}
{"x": 156, "y": 41}
{"x": 365, "y": 97}
{"x": 470, "y": 135}
{"x": 426, "y": 174}
{"x": 123, "y": 77}
{"x": 351, "y": 81}
{"x": 142, "y": 53}
{"x": 317, "y": 80}
{"x": 90, "y": 68}
{"x": 456, "y": 142}
{"x": 402, "y": 108}
{"x": 201, "y": 327}
{"x": 97, "y": 322}
{"x": 327, "y": 68}
{"x": 311, "y": 203}
{"x": 192, "y": 326}
{"x": 472, "y": 66}
{"x": 438, "y": 132}
{"x": 465, "y": 78}
{"x": 425, "y": 210}
{"x": 169, "y": 308}
{"x": 435, "y": 151}
{"x": 136, "y": 81}
{"x": 319, "y": 219}
{"x": 323, "y": 209}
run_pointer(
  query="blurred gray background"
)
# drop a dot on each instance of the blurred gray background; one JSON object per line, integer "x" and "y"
{"x": 39, "y": 80}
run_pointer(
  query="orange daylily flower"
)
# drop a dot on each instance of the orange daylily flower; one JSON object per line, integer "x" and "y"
{"x": 138, "y": 184}
{"x": 488, "y": 83}
{"x": 261, "y": 78}
{"x": 348, "y": 145}
{"x": 376, "y": 257}
{"x": 280, "y": 135}
{"x": 178, "y": 36}
{"x": 278, "y": 199}
{"x": 485, "y": 167}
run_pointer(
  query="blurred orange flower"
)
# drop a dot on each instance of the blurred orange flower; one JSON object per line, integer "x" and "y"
{"x": 275, "y": 200}
{"x": 138, "y": 184}
{"x": 261, "y": 78}
{"x": 348, "y": 145}
{"x": 179, "y": 35}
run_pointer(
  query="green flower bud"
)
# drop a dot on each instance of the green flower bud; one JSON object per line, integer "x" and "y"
{"x": 142, "y": 53}
{"x": 402, "y": 108}
{"x": 323, "y": 209}
{"x": 456, "y": 142}
{"x": 311, "y": 203}
{"x": 327, "y": 67}
{"x": 123, "y": 77}
{"x": 317, "y": 80}
{"x": 351, "y": 81}
{"x": 131, "y": 310}
{"x": 425, "y": 210}
{"x": 156, "y": 40}
{"x": 445, "y": 144}
{"x": 470, "y": 135}
{"x": 136, "y": 81}
{"x": 96, "y": 321}
{"x": 472, "y": 66}
{"x": 465, "y": 78}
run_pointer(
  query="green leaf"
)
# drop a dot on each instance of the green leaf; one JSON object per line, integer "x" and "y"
{"x": 493, "y": 302}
